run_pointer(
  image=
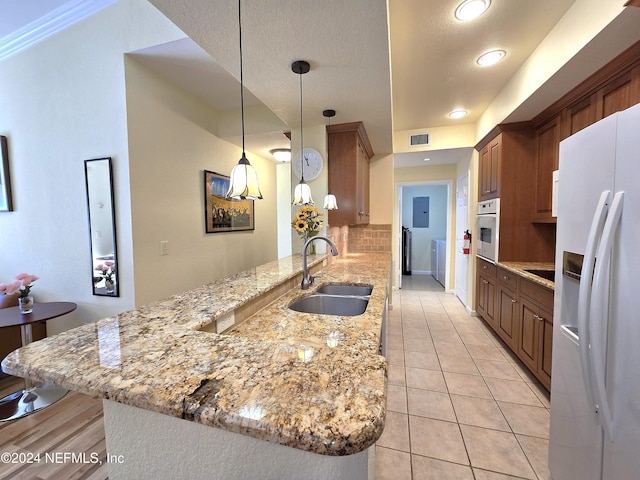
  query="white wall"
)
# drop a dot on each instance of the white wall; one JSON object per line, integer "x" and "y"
{"x": 64, "y": 100}
{"x": 170, "y": 146}
{"x": 437, "y": 230}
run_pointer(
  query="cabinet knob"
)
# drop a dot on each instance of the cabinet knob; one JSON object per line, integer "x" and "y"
{"x": 506, "y": 277}
{"x": 484, "y": 281}
{"x": 484, "y": 266}
{"x": 513, "y": 301}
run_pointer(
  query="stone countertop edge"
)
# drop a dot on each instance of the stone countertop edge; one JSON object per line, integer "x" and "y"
{"x": 272, "y": 378}
{"x": 521, "y": 267}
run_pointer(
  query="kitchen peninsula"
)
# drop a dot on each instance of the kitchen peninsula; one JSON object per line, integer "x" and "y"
{"x": 278, "y": 379}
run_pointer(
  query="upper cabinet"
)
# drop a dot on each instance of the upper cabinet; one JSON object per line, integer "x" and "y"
{"x": 547, "y": 141}
{"x": 614, "y": 88}
{"x": 490, "y": 162}
{"x": 349, "y": 153}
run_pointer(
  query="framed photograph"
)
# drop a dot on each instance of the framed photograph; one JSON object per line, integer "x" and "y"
{"x": 222, "y": 214}
{"x": 5, "y": 184}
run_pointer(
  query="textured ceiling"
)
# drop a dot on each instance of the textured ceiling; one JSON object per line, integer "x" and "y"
{"x": 396, "y": 65}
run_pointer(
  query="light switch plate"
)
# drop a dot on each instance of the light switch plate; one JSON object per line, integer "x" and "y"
{"x": 164, "y": 247}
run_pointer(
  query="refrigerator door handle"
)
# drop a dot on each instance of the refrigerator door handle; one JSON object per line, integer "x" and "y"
{"x": 600, "y": 309}
{"x": 585, "y": 290}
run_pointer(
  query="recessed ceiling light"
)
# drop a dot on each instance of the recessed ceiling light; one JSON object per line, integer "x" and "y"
{"x": 457, "y": 114}
{"x": 281, "y": 154}
{"x": 491, "y": 58}
{"x": 471, "y": 9}
{"x": 427, "y": 159}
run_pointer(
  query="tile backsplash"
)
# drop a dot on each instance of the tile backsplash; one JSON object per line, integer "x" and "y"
{"x": 361, "y": 238}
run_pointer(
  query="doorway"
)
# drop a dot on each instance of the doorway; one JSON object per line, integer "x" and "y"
{"x": 424, "y": 212}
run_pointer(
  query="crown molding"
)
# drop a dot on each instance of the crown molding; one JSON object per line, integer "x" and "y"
{"x": 49, "y": 24}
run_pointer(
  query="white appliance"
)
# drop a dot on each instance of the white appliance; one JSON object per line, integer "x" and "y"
{"x": 438, "y": 260}
{"x": 595, "y": 388}
{"x": 488, "y": 224}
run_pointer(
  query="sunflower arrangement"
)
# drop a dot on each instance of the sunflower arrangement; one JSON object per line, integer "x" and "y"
{"x": 307, "y": 222}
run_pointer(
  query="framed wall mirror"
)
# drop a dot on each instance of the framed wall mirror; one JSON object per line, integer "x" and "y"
{"x": 102, "y": 227}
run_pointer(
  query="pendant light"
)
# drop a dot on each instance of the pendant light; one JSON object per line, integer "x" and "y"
{"x": 243, "y": 184}
{"x": 302, "y": 192}
{"x": 330, "y": 202}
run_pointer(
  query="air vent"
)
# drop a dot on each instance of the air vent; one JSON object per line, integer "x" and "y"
{"x": 418, "y": 139}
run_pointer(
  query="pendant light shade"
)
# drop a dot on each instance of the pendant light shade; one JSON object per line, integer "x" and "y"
{"x": 302, "y": 192}
{"x": 243, "y": 181}
{"x": 330, "y": 202}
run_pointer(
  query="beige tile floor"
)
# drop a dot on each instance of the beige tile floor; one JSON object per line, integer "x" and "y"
{"x": 459, "y": 404}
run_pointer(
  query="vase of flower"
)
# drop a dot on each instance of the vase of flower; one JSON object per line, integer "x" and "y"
{"x": 109, "y": 285}
{"x": 25, "y": 304}
{"x": 22, "y": 286}
{"x": 307, "y": 224}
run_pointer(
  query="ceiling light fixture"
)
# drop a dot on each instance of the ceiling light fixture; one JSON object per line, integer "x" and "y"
{"x": 457, "y": 114}
{"x": 471, "y": 9}
{"x": 302, "y": 192}
{"x": 330, "y": 202}
{"x": 243, "y": 182}
{"x": 491, "y": 58}
{"x": 281, "y": 154}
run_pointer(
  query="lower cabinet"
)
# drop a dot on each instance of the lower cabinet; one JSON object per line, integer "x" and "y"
{"x": 536, "y": 331}
{"x": 508, "y": 316}
{"x": 521, "y": 313}
{"x": 486, "y": 291}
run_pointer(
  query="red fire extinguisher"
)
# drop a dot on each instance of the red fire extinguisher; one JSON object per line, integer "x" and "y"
{"x": 466, "y": 245}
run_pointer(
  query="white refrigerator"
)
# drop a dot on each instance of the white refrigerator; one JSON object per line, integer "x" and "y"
{"x": 595, "y": 388}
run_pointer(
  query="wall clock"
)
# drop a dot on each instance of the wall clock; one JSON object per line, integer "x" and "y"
{"x": 312, "y": 164}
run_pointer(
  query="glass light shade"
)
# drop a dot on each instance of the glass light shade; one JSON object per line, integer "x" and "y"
{"x": 243, "y": 183}
{"x": 471, "y": 9}
{"x": 281, "y": 154}
{"x": 302, "y": 194}
{"x": 330, "y": 202}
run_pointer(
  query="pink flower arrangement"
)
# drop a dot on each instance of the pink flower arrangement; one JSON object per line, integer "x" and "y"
{"x": 22, "y": 284}
{"x": 107, "y": 269}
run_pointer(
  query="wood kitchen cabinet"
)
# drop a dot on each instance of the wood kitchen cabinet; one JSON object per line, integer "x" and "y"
{"x": 613, "y": 88}
{"x": 520, "y": 312}
{"x": 486, "y": 291}
{"x": 508, "y": 318}
{"x": 349, "y": 152}
{"x": 489, "y": 169}
{"x": 547, "y": 146}
{"x": 535, "y": 337}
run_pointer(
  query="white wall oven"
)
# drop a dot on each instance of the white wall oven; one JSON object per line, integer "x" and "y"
{"x": 488, "y": 224}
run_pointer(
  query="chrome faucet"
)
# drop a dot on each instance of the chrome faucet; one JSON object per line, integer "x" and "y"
{"x": 307, "y": 280}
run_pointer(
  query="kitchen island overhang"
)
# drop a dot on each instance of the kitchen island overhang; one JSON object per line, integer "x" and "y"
{"x": 252, "y": 382}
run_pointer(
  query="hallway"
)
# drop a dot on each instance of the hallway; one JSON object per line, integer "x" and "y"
{"x": 460, "y": 405}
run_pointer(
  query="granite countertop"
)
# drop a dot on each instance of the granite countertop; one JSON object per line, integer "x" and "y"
{"x": 521, "y": 268}
{"x": 312, "y": 382}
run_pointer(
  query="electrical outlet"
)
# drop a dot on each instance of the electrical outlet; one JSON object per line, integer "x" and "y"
{"x": 164, "y": 247}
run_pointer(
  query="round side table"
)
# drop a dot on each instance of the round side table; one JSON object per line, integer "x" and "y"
{"x": 32, "y": 397}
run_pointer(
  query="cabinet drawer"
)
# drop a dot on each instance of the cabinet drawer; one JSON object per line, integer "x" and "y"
{"x": 486, "y": 268}
{"x": 508, "y": 278}
{"x": 538, "y": 293}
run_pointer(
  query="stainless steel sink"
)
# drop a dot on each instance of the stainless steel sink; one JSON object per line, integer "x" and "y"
{"x": 547, "y": 274}
{"x": 345, "y": 289}
{"x": 348, "y": 306}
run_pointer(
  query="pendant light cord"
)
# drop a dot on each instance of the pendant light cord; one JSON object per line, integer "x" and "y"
{"x": 241, "y": 76}
{"x": 301, "y": 134}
